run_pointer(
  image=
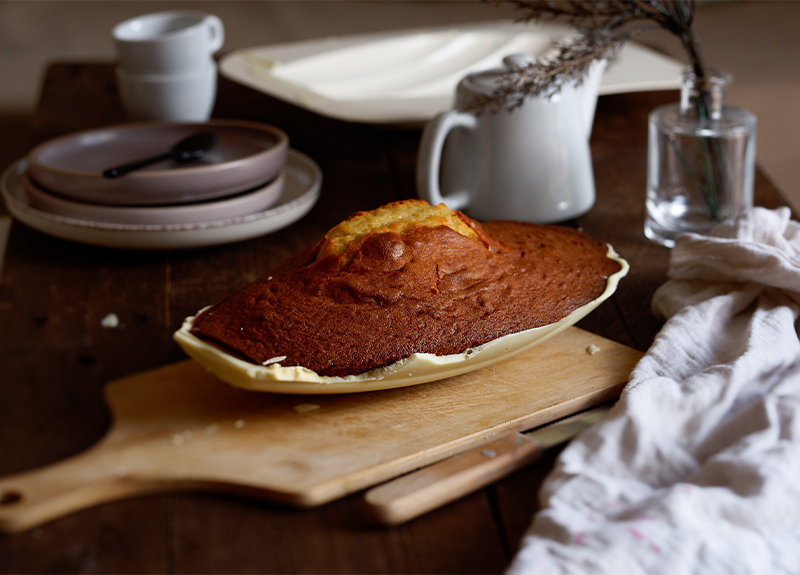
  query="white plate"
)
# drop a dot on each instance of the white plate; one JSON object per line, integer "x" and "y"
{"x": 416, "y": 369}
{"x": 410, "y": 76}
{"x": 301, "y": 189}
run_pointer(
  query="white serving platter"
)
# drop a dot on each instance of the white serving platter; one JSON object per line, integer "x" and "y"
{"x": 408, "y": 77}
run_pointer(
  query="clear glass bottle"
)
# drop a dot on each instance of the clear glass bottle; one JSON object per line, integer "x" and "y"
{"x": 701, "y": 160}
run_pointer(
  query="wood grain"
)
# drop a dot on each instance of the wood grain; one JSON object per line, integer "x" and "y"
{"x": 422, "y": 491}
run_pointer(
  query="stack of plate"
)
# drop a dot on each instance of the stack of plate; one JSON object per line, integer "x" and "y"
{"x": 250, "y": 183}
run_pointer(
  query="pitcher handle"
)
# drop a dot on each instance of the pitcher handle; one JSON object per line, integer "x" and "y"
{"x": 429, "y": 159}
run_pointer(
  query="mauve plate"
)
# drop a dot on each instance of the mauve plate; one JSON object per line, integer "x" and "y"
{"x": 246, "y": 155}
{"x": 301, "y": 188}
{"x": 234, "y": 206}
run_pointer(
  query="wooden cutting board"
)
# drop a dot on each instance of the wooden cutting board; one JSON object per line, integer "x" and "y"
{"x": 179, "y": 428}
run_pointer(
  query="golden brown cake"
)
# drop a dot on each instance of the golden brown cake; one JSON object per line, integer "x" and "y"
{"x": 407, "y": 278}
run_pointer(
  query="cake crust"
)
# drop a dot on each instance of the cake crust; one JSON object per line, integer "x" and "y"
{"x": 390, "y": 291}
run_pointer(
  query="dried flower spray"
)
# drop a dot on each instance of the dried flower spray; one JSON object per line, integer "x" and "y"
{"x": 603, "y": 26}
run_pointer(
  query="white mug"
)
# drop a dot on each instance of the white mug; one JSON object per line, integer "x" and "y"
{"x": 173, "y": 42}
{"x": 531, "y": 164}
{"x": 169, "y": 97}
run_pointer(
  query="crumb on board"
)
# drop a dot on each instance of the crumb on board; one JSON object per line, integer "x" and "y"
{"x": 305, "y": 407}
{"x": 592, "y": 349}
{"x": 213, "y": 428}
{"x": 179, "y": 438}
{"x": 110, "y": 321}
{"x": 238, "y": 424}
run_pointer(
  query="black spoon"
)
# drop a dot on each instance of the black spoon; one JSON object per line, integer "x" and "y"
{"x": 190, "y": 148}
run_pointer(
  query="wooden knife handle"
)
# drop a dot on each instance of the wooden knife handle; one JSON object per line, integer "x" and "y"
{"x": 430, "y": 487}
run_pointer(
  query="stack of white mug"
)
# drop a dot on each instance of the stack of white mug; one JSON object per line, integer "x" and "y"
{"x": 166, "y": 67}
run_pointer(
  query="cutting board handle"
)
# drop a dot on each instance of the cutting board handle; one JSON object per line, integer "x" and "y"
{"x": 34, "y": 497}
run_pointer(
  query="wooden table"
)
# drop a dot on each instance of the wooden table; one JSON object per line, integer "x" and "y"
{"x": 55, "y": 357}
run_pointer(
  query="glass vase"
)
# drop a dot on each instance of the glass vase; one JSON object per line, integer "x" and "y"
{"x": 701, "y": 160}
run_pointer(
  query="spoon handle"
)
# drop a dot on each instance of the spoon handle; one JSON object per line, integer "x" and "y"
{"x": 125, "y": 168}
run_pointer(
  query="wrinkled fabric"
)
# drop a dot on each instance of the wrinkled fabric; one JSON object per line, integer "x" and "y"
{"x": 697, "y": 467}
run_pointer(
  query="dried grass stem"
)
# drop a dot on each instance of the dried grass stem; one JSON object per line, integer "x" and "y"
{"x": 603, "y": 26}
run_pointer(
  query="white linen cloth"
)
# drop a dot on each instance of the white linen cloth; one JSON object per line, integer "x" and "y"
{"x": 697, "y": 467}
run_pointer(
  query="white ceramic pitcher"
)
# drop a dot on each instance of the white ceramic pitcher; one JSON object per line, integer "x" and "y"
{"x": 531, "y": 164}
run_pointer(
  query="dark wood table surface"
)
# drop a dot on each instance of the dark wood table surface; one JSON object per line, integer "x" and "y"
{"x": 55, "y": 357}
